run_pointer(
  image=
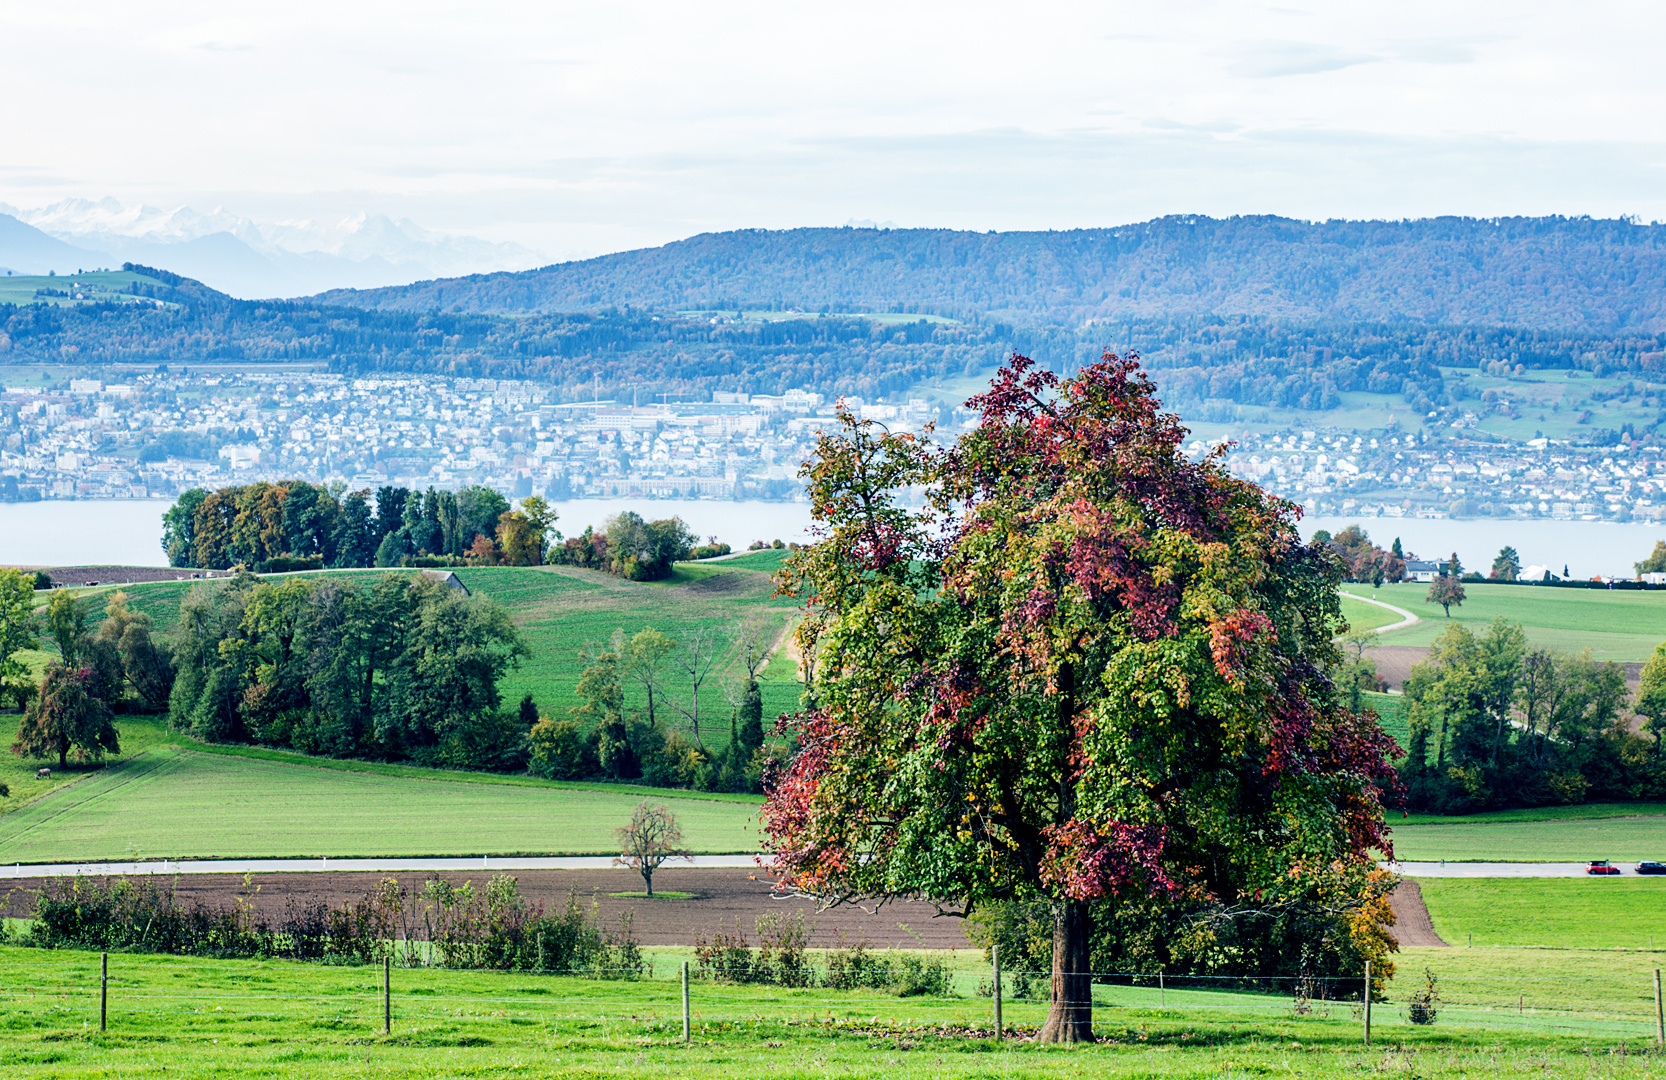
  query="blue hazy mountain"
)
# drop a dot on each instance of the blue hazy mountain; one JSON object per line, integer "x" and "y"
{"x": 1556, "y": 273}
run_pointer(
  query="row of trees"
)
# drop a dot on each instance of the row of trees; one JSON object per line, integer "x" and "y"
{"x": 401, "y": 667}
{"x": 1495, "y": 722}
{"x": 294, "y": 525}
{"x": 603, "y": 740}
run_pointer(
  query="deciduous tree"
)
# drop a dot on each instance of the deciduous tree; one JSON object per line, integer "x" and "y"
{"x": 1090, "y": 667}
{"x": 67, "y": 715}
{"x": 652, "y": 839}
{"x": 17, "y": 609}
{"x": 1446, "y": 590}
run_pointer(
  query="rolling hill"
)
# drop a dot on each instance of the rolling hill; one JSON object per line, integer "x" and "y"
{"x": 1553, "y": 273}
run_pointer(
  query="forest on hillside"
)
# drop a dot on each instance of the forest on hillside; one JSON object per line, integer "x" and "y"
{"x": 1566, "y": 274}
{"x": 1198, "y": 361}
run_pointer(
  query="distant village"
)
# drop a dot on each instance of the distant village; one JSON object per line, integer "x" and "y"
{"x": 158, "y": 433}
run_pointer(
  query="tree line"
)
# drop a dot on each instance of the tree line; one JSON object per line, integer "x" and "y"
{"x": 293, "y": 525}
{"x": 1496, "y": 722}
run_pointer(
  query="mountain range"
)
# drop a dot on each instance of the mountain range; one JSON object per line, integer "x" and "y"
{"x": 1576, "y": 275}
{"x": 241, "y": 256}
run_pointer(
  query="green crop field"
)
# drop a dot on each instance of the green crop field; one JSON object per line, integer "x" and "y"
{"x": 1561, "y": 913}
{"x": 170, "y": 802}
{"x": 138, "y": 734}
{"x": 1614, "y": 625}
{"x": 1558, "y": 840}
{"x": 1580, "y": 1015}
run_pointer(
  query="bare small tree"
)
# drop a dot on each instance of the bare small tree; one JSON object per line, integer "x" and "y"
{"x": 695, "y": 660}
{"x": 641, "y": 660}
{"x": 652, "y": 838}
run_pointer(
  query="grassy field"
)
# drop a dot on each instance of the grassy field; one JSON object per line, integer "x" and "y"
{"x": 1363, "y": 616}
{"x": 137, "y": 736}
{"x": 1556, "y": 913}
{"x": 109, "y": 285}
{"x": 1564, "y": 840}
{"x": 191, "y": 1017}
{"x": 175, "y": 803}
{"x": 1620, "y": 626}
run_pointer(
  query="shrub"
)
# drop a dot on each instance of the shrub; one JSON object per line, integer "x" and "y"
{"x": 1422, "y": 1006}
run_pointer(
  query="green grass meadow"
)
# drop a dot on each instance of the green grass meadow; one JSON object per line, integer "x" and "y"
{"x": 1521, "y": 840}
{"x": 1615, "y": 625}
{"x": 171, "y": 802}
{"x": 1550, "y": 913}
{"x": 1507, "y": 1013}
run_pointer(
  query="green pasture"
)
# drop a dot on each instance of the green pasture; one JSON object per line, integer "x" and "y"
{"x": 137, "y": 736}
{"x": 1554, "y": 913}
{"x": 1615, "y": 625}
{"x": 1520, "y": 840}
{"x": 98, "y": 285}
{"x": 173, "y": 802}
{"x": 188, "y": 1017}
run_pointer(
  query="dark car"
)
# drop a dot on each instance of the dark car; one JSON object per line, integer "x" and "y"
{"x": 1651, "y": 868}
{"x": 1601, "y": 867}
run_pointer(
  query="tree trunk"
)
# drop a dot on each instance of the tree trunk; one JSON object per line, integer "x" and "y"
{"x": 648, "y": 880}
{"x": 1070, "y": 1007}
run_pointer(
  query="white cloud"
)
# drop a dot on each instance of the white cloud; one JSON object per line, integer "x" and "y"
{"x": 576, "y": 128}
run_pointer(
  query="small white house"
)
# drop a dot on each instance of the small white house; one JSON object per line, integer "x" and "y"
{"x": 1534, "y": 573}
{"x": 1422, "y": 570}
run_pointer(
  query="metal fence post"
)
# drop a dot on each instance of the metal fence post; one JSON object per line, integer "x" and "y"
{"x": 387, "y": 995}
{"x": 685, "y": 1002}
{"x": 1659, "y": 1015}
{"x": 104, "y": 989}
{"x": 995, "y": 964}
{"x": 1368, "y": 1003}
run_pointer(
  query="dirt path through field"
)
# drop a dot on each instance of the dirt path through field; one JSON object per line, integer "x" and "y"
{"x": 1412, "y": 925}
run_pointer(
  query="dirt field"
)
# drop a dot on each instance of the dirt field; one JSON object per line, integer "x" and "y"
{"x": 721, "y": 898}
{"x": 1412, "y": 925}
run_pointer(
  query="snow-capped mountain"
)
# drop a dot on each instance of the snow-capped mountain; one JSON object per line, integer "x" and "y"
{"x": 250, "y": 258}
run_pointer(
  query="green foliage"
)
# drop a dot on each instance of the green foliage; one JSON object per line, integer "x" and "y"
{"x": 1496, "y": 723}
{"x": 1506, "y": 566}
{"x": 403, "y": 668}
{"x": 17, "y": 609}
{"x": 67, "y": 715}
{"x": 629, "y": 547}
{"x": 1656, "y": 561}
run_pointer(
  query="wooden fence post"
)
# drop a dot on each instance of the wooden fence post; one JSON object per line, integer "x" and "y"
{"x": 685, "y": 1002}
{"x": 1659, "y": 1015}
{"x": 1368, "y": 1003}
{"x": 104, "y": 989}
{"x": 995, "y": 964}
{"x": 387, "y": 995}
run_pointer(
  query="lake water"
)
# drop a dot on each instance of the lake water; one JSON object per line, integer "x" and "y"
{"x": 128, "y": 532}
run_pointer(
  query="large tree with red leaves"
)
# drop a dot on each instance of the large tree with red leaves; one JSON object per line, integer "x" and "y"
{"x": 1088, "y": 666}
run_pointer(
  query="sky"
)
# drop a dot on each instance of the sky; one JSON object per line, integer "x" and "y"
{"x": 578, "y": 129}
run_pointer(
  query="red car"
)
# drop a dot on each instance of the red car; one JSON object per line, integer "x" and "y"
{"x": 1601, "y": 867}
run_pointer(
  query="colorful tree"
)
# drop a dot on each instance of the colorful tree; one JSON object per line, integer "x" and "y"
{"x": 67, "y": 715}
{"x": 1089, "y": 667}
{"x": 1445, "y": 590}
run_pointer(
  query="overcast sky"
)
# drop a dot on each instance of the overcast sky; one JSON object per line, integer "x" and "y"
{"x": 584, "y": 128}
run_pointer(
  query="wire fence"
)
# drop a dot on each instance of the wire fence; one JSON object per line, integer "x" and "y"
{"x": 135, "y": 991}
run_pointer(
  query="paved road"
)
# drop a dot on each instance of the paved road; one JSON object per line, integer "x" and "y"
{"x": 313, "y": 866}
{"x": 1406, "y": 617}
{"x": 1501, "y": 869}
